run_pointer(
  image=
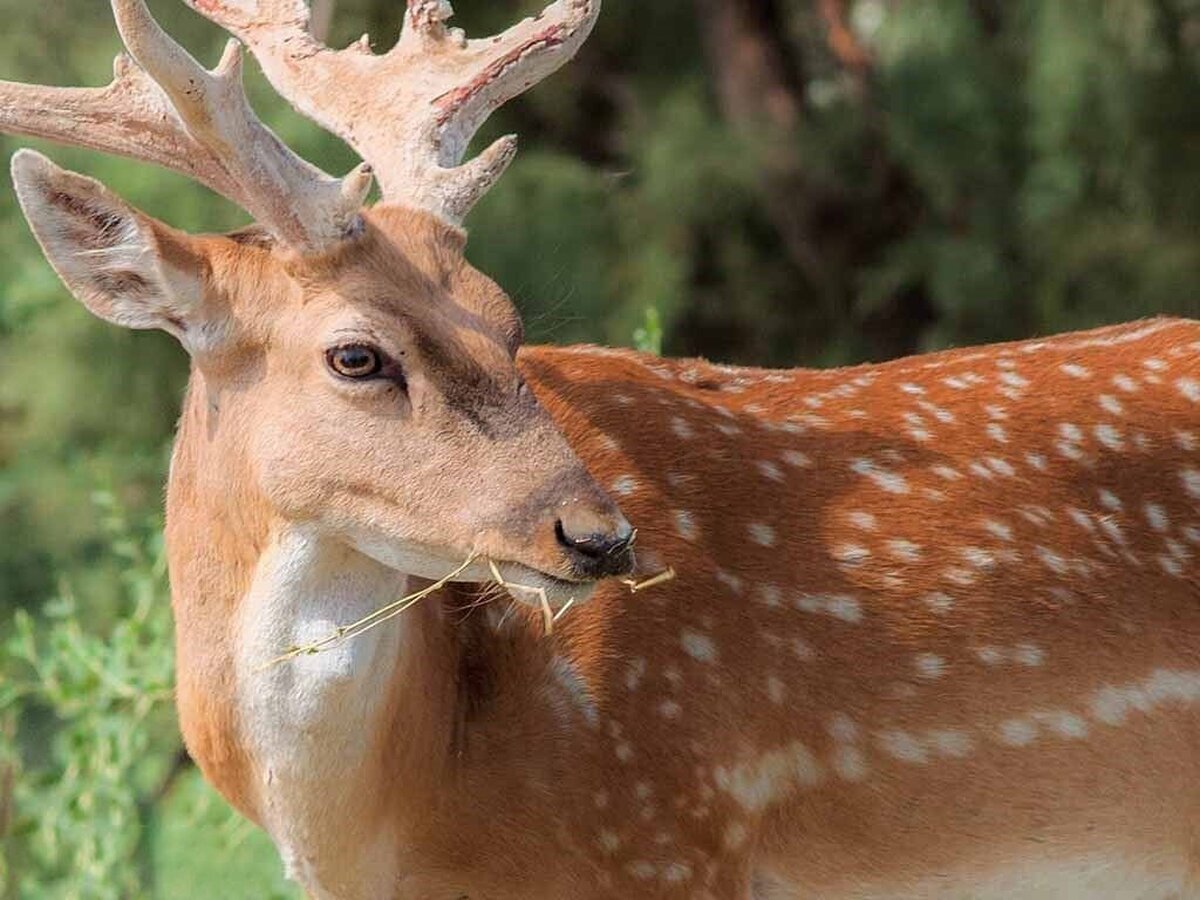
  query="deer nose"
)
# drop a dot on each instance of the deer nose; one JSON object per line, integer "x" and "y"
{"x": 598, "y": 543}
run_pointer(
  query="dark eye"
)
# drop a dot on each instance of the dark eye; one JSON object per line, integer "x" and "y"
{"x": 354, "y": 360}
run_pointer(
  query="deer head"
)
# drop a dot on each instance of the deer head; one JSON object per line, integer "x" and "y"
{"x": 357, "y": 374}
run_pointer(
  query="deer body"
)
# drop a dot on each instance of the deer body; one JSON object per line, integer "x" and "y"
{"x": 935, "y": 625}
{"x": 936, "y": 629}
{"x": 935, "y": 632}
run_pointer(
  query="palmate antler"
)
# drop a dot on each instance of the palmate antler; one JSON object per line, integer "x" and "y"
{"x": 410, "y": 112}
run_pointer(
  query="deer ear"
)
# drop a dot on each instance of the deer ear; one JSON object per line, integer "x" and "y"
{"x": 123, "y": 265}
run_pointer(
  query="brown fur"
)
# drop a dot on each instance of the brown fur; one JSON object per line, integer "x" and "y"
{"x": 936, "y": 622}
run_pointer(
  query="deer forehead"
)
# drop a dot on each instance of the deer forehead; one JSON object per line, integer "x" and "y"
{"x": 406, "y": 289}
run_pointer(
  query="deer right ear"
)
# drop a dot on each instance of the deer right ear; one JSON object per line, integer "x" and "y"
{"x": 123, "y": 265}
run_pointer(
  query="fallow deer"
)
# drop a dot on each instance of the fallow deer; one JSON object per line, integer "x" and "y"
{"x": 935, "y": 630}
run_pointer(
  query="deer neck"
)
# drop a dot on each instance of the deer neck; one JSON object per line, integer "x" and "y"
{"x": 349, "y": 756}
{"x": 319, "y": 720}
{"x": 297, "y": 746}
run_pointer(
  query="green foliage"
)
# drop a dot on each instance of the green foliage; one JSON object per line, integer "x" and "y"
{"x": 91, "y": 702}
{"x": 648, "y": 336}
{"x": 200, "y": 849}
{"x": 101, "y": 764}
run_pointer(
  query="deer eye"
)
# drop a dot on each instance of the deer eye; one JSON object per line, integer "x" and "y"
{"x": 354, "y": 361}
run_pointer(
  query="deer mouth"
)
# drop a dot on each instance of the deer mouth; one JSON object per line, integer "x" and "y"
{"x": 537, "y": 588}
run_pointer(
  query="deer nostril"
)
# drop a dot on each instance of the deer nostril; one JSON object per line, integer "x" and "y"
{"x": 596, "y": 544}
{"x": 602, "y": 552}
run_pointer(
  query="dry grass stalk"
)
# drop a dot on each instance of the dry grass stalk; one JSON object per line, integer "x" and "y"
{"x": 366, "y": 623}
{"x": 345, "y": 632}
{"x": 548, "y": 617}
{"x": 668, "y": 574}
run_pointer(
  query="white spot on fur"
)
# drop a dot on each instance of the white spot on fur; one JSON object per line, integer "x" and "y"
{"x": 698, "y": 646}
{"x": 682, "y": 429}
{"x": 904, "y": 550}
{"x": 761, "y": 534}
{"x": 769, "y": 470}
{"x": 759, "y": 783}
{"x": 950, "y": 742}
{"x": 1018, "y": 732}
{"x": 1037, "y": 461}
{"x": 770, "y": 596}
{"x": 1112, "y": 705}
{"x": 989, "y": 655}
{"x": 624, "y": 485}
{"x": 979, "y": 557}
{"x": 1028, "y": 655}
{"x": 1171, "y": 566}
{"x": 576, "y": 689}
{"x": 775, "y": 689}
{"x": 685, "y": 524}
{"x": 1062, "y": 723}
{"x": 845, "y": 608}
{"x": 891, "y": 482}
{"x": 731, "y": 581}
{"x": 801, "y": 649}
{"x": 676, "y": 872}
{"x": 634, "y": 672}
{"x": 930, "y": 665}
{"x": 843, "y": 728}
{"x": 641, "y": 869}
{"x": 1125, "y": 383}
{"x": 998, "y": 529}
{"x": 1052, "y": 560}
{"x": 1001, "y": 466}
{"x": 735, "y": 835}
{"x": 1110, "y": 437}
{"x": 796, "y": 458}
{"x": 939, "y": 602}
{"x": 850, "y": 554}
{"x": 1156, "y": 516}
{"x": 1191, "y": 481}
{"x": 864, "y": 520}
{"x": 850, "y": 763}
{"x": 1190, "y": 388}
{"x": 903, "y": 746}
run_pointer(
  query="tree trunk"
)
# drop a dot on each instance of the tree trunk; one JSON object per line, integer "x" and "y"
{"x": 759, "y": 84}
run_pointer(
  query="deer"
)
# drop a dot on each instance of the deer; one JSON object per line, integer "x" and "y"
{"x": 934, "y": 625}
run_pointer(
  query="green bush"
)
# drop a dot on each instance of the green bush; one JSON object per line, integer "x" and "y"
{"x": 101, "y": 801}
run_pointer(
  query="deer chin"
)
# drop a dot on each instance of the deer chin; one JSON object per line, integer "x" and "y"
{"x": 526, "y": 584}
{"x": 531, "y": 586}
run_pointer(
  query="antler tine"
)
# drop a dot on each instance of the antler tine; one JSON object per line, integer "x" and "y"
{"x": 302, "y": 204}
{"x": 164, "y": 107}
{"x": 413, "y": 110}
{"x": 130, "y": 117}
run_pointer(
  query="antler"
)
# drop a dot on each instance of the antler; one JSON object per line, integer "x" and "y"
{"x": 413, "y": 110}
{"x": 164, "y": 107}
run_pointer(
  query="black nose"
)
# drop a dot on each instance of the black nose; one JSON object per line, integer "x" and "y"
{"x": 597, "y": 546}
